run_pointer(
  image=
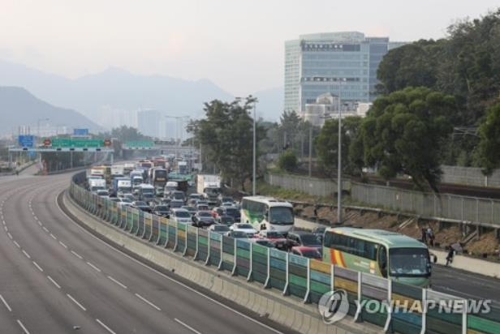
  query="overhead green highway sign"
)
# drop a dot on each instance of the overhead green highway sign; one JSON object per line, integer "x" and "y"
{"x": 76, "y": 142}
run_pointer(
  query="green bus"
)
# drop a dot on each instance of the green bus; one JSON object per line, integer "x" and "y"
{"x": 388, "y": 254}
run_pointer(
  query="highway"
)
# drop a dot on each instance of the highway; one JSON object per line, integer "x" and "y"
{"x": 57, "y": 278}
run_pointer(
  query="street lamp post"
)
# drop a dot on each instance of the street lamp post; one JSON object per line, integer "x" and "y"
{"x": 339, "y": 180}
{"x": 254, "y": 149}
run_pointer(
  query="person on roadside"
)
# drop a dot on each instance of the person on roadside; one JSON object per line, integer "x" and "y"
{"x": 430, "y": 236}
{"x": 424, "y": 235}
{"x": 449, "y": 257}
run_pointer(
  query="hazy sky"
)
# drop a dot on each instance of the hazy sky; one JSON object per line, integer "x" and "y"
{"x": 237, "y": 44}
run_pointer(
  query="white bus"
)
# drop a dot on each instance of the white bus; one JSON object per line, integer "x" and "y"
{"x": 267, "y": 213}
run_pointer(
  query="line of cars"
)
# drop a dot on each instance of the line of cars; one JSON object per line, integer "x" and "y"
{"x": 225, "y": 219}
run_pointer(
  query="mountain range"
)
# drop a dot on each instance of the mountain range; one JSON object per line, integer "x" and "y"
{"x": 21, "y": 112}
{"x": 112, "y": 97}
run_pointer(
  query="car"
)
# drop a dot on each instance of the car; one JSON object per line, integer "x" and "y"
{"x": 203, "y": 218}
{"x": 237, "y": 234}
{"x": 178, "y": 195}
{"x": 175, "y": 204}
{"x": 233, "y": 212}
{"x": 129, "y": 196}
{"x": 195, "y": 196}
{"x": 226, "y": 220}
{"x": 224, "y": 199}
{"x": 141, "y": 205}
{"x": 191, "y": 210}
{"x": 219, "y": 228}
{"x": 124, "y": 202}
{"x": 102, "y": 193}
{"x": 319, "y": 232}
{"x": 264, "y": 242}
{"x": 217, "y": 212}
{"x": 278, "y": 239}
{"x": 161, "y": 210}
{"x": 180, "y": 216}
{"x": 243, "y": 227}
{"x": 300, "y": 238}
{"x": 202, "y": 207}
{"x": 306, "y": 251}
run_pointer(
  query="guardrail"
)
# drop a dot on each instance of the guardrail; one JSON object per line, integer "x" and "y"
{"x": 481, "y": 211}
{"x": 297, "y": 276}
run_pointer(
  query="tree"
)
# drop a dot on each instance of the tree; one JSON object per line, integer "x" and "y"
{"x": 489, "y": 144}
{"x": 327, "y": 145}
{"x": 289, "y": 129}
{"x": 413, "y": 65}
{"x": 288, "y": 161}
{"x": 226, "y": 137}
{"x": 404, "y": 132}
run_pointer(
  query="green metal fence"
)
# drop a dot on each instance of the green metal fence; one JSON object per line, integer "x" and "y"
{"x": 405, "y": 309}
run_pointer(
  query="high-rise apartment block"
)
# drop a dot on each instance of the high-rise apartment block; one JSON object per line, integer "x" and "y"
{"x": 342, "y": 63}
{"x": 148, "y": 122}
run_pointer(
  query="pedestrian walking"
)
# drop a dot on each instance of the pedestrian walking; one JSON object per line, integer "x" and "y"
{"x": 430, "y": 236}
{"x": 449, "y": 258}
{"x": 424, "y": 235}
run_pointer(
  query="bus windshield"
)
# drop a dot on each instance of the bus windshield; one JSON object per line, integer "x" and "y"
{"x": 281, "y": 216}
{"x": 407, "y": 262}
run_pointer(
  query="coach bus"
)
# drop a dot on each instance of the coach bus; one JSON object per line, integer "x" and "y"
{"x": 267, "y": 213}
{"x": 383, "y": 253}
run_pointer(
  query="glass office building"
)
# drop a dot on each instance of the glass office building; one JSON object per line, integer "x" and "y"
{"x": 343, "y": 64}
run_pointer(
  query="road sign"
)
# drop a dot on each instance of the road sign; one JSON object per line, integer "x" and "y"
{"x": 107, "y": 142}
{"x": 26, "y": 140}
{"x": 46, "y": 142}
{"x": 74, "y": 142}
{"x": 140, "y": 143}
{"x": 80, "y": 132}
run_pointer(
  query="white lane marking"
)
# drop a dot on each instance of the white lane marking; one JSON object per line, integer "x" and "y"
{"x": 26, "y": 254}
{"x": 53, "y": 236}
{"x": 45, "y": 229}
{"x": 10, "y": 235}
{"x": 36, "y": 265}
{"x": 187, "y": 326}
{"x": 62, "y": 244}
{"x": 17, "y": 244}
{"x": 76, "y": 302}
{"x": 6, "y": 228}
{"x": 269, "y": 328}
{"x": 77, "y": 255}
{"x": 105, "y": 327}
{"x": 117, "y": 282}
{"x": 5, "y": 303}
{"x": 22, "y": 327}
{"x": 95, "y": 268}
{"x": 147, "y": 302}
{"x": 54, "y": 282}
{"x": 40, "y": 223}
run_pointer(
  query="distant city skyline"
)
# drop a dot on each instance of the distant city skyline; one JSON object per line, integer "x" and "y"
{"x": 237, "y": 45}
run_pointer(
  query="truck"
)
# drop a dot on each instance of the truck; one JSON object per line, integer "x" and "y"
{"x": 97, "y": 171}
{"x": 136, "y": 177}
{"x": 117, "y": 170}
{"x": 209, "y": 186}
{"x": 183, "y": 167}
{"x": 122, "y": 184}
{"x": 158, "y": 177}
{"x": 97, "y": 184}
